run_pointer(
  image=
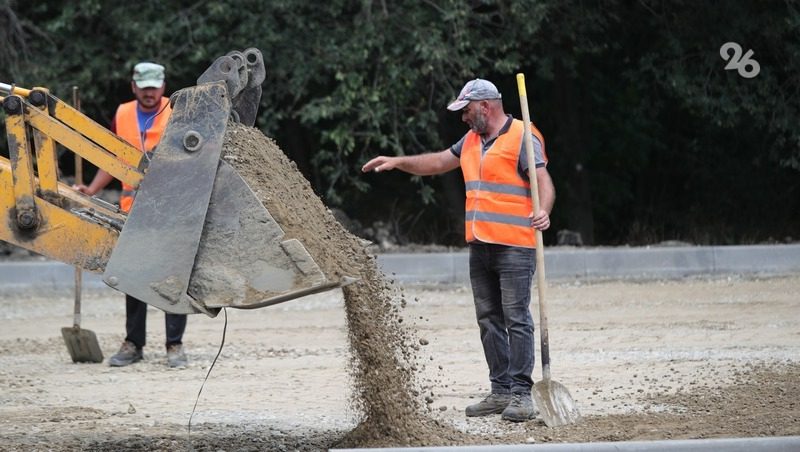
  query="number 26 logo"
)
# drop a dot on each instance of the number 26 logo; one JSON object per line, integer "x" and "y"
{"x": 739, "y": 62}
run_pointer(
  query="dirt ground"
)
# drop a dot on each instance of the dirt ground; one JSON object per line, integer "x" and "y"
{"x": 698, "y": 358}
{"x": 377, "y": 365}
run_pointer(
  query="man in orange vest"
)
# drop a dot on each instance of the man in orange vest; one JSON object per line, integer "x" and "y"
{"x": 141, "y": 122}
{"x": 499, "y": 226}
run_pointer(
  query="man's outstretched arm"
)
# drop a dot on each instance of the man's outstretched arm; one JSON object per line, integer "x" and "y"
{"x": 421, "y": 165}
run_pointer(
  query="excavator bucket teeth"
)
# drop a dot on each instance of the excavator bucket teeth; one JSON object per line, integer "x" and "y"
{"x": 243, "y": 260}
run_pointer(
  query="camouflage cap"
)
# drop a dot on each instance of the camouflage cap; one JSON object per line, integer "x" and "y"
{"x": 148, "y": 75}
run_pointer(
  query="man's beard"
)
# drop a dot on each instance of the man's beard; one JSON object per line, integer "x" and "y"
{"x": 149, "y": 102}
{"x": 480, "y": 125}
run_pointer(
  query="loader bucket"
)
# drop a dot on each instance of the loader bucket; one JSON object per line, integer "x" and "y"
{"x": 243, "y": 260}
{"x": 197, "y": 238}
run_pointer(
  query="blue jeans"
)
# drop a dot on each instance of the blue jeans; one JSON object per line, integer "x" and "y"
{"x": 501, "y": 279}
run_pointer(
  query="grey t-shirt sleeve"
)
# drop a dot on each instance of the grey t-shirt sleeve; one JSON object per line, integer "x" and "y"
{"x": 537, "y": 154}
{"x": 456, "y": 148}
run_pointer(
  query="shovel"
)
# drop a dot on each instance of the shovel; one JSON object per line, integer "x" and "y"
{"x": 82, "y": 344}
{"x": 552, "y": 398}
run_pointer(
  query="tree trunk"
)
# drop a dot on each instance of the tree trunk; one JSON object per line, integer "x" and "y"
{"x": 569, "y": 153}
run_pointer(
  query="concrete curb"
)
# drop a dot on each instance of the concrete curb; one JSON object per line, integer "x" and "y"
{"x": 561, "y": 264}
{"x": 610, "y": 263}
{"x": 771, "y": 444}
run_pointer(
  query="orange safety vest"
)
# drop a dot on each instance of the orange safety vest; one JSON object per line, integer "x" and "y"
{"x": 498, "y": 199}
{"x": 127, "y": 125}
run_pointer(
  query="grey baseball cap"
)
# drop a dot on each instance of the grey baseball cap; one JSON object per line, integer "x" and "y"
{"x": 478, "y": 89}
{"x": 148, "y": 75}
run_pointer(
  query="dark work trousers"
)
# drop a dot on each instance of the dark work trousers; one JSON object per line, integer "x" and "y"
{"x": 136, "y": 323}
{"x": 501, "y": 279}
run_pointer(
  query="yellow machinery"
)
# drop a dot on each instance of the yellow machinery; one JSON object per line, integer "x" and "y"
{"x": 197, "y": 239}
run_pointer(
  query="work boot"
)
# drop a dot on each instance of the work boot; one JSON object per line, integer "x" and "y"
{"x": 176, "y": 356}
{"x": 127, "y": 354}
{"x": 520, "y": 409}
{"x": 493, "y": 404}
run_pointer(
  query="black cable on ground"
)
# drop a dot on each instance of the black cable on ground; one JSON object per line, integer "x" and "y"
{"x": 224, "y": 330}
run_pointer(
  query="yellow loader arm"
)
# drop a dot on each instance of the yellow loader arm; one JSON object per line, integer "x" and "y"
{"x": 196, "y": 239}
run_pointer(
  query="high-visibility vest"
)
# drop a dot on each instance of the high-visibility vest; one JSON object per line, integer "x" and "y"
{"x": 499, "y": 202}
{"x": 127, "y": 124}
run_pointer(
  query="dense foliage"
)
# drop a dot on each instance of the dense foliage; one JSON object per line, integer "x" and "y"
{"x": 650, "y": 137}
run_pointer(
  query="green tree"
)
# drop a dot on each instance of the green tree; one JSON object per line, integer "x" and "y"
{"x": 649, "y": 137}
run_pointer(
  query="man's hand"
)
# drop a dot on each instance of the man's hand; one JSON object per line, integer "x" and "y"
{"x": 82, "y": 188}
{"x": 380, "y": 163}
{"x": 540, "y": 221}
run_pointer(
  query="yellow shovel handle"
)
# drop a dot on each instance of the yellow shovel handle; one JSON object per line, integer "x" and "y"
{"x": 540, "y": 272}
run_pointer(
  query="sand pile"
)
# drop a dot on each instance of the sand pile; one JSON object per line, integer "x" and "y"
{"x": 386, "y": 390}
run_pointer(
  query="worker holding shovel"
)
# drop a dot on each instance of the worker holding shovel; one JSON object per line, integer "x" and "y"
{"x": 500, "y": 225}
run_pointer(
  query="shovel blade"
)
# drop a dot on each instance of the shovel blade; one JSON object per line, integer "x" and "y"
{"x": 82, "y": 345}
{"x": 555, "y": 403}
